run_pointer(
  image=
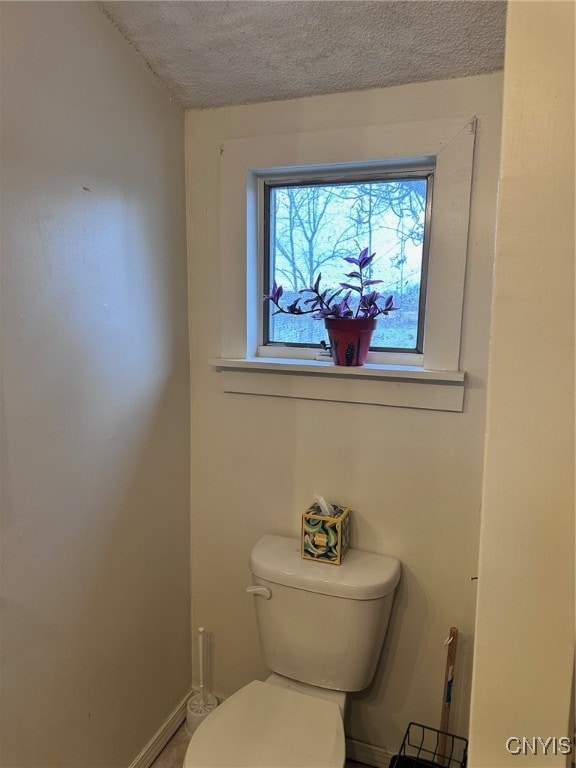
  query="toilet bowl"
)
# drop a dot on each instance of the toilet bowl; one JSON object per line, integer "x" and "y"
{"x": 267, "y": 726}
{"x": 321, "y": 629}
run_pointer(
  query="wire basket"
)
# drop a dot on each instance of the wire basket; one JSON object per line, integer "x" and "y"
{"x": 423, "y": 747}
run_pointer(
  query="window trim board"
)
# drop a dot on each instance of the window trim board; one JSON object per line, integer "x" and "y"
{"x": 403, "y": 386}
{"x": 243, "y": 161}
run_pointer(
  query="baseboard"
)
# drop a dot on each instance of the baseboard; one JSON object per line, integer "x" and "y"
{"x": 162, "y": 735}
{"x": 360, "y": 752}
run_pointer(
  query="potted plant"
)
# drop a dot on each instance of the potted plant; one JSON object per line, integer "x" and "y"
{"x": 350, "y": 320}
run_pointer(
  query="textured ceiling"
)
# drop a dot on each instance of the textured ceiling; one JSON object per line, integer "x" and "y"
{"x": 211, "y": 53}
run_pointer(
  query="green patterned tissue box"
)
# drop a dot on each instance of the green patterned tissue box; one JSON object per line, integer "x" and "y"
{"x": 325, "y": 538}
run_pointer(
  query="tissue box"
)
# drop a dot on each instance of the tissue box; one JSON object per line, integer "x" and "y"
{"x": 324, "y": 538}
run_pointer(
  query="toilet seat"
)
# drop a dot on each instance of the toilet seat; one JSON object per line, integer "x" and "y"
{"x": 265, "y": 726}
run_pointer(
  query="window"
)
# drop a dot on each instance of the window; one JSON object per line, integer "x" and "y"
{"x": 310, "y": 225}
{"x": 420, "y": 367}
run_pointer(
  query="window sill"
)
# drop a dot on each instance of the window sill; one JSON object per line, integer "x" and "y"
{"x": 391, "y": 385}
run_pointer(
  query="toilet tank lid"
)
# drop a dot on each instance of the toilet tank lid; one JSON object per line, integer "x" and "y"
{"x": 361, "y": 576}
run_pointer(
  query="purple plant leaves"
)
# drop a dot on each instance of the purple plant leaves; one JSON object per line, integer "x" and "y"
{"x": 365, "y": 261}
{"x": 276, "y": 294}
{"x": 323, "y": 303}
{"x": 294, "y": 309}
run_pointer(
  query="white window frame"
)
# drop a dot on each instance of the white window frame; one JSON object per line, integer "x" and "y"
{"x": 405, "y": 169}
{"x": 434, "y": 381}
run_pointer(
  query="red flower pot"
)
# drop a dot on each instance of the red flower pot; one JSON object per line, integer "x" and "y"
{"x": 350, "y": 339}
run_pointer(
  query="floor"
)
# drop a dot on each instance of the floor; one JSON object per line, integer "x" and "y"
{"x": 172, "y": 756}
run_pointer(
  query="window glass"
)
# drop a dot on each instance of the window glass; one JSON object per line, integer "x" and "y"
{"x": 310, "y": 227}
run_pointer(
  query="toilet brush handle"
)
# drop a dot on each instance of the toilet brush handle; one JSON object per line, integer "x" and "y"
{"x": 201, "y": 659}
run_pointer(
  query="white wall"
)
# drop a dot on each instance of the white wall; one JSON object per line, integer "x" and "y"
{"x": 525, "y": 622}
{"x": 95, "y": 455}
{"x": 413, "y": 477}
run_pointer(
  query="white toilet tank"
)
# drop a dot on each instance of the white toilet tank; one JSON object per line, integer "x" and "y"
{"x": 322, "y": 624}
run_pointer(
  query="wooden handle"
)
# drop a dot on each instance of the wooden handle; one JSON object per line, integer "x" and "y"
{"x": 448, "y": 681}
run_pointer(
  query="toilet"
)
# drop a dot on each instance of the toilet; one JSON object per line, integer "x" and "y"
{"x": 321, "y": 629}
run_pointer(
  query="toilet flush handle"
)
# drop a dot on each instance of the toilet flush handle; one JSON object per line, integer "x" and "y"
{"x": 262, "y": 591}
